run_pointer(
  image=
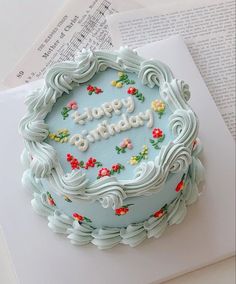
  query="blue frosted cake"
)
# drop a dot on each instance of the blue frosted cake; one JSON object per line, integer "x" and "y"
{"x": 111, "y": 148}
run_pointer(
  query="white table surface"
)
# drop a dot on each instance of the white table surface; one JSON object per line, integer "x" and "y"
{"x": 20, "y": 23}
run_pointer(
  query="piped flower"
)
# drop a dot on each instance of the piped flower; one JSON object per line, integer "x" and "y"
{"x": 91, "y": 163}
{"x": 60, "y": 136}
{"x": 72, "y": 105}
{"x": 133, "y": 160}
{"x": 103, "y": 172}
{"x": 157, "y": 133}
{"x": 50, "y": 200}
{"x": 159, "y": 107}
{"x": 123, "y": 79}
{"x": 81, "y": 218}
{"x": 116, "y": 168}
{"x": 159, "y": 136}
{"x": 122, "y": 210}
{"x": 132, "y": 91}
{"x": 160, "y": 213}
{"x": 141, "y": 156}
{"x": 75, "y": 164}
{"x": 194, "y": 144}
{"x": 135, "y": 92}
{"x": 67, "y": 199}
{"x": 125, "y": 144}
{"x": 92, "y": 89}
{"x": 180, "y": 185}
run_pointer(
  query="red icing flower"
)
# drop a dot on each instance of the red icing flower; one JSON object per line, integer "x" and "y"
{"x": 104, "y": 172}
{"x": 180, "y": 186}
{"x": 90, "y": 88}
{"x": 115, "y": 167}
{"x": 69, "y": 157}
{"x": 132, "y": 91}
{"x": 159, "y": 213}
{"x": 194, "y": 144}
{"x": 78, "y": 217}
{"x": 74, "y": 164}
{"x": 121, "y": 211}
{"x": 98, "y": 90}
{"x": 157, "y": 133}
{"x": 90, "y": 163}
{"x": 50, "y": 200}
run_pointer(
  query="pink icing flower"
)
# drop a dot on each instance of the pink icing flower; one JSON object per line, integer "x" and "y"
{"x": 72, "y": 105}
{"x": 104, "y": 172}
{"x": 123, "y": 144}
{"x": 129, "y": 145}
{"x": 126, "y": 143}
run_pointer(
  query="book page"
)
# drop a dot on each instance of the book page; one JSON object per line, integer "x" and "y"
{"x": 209, "y": 32}
{"x": 80, "y": 24}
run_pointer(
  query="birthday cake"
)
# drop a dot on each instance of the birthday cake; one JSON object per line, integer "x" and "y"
{"x": 111, "y": 148}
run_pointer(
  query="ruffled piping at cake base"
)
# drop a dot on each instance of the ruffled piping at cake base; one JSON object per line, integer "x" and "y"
{"x": 108, "y": 237}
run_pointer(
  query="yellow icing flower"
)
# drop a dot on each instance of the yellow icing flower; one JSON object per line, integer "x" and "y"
{"x": 119, "y": 85}
{"x": 158, "y": 106}
{"x": 113, "y": 83}
{"x": 133, "y": 160}
{"x": 63, "y": 131}
{"x": 120, "y": 74}
{"x": 145, "y": 151}
{"x": 51, "y": 135}
{"x": 60, "y": 136}
{"x": 64, "y": 140}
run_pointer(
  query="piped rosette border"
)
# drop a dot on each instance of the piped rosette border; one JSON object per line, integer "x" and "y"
{"x": 110, "y": 191}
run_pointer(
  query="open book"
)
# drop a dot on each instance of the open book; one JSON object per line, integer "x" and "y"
{"x": 78, "y": 25}
{"x": 208, "y": 28}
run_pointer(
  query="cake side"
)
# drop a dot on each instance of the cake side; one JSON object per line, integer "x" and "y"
{"x": 80, "y": 232}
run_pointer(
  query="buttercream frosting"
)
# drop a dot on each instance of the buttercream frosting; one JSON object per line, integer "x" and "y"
{"x": 110, "y": 192}
{"x": 133, "y": 234}
{"x": 44, "y": 171}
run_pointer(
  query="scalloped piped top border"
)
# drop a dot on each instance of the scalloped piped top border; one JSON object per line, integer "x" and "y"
{"x": 150, "y": 176}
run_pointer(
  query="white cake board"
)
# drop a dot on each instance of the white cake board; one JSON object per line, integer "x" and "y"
{"x": 206, "y": 235}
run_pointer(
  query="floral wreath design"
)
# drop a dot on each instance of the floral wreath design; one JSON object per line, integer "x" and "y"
{"x": 60, "y": 79}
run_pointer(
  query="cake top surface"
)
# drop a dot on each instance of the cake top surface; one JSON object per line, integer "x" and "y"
{"x": 118, "y": 141}
{"x": 116, "y": 119}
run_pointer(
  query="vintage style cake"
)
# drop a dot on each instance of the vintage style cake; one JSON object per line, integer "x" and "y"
{"x": 111, "y": 148}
